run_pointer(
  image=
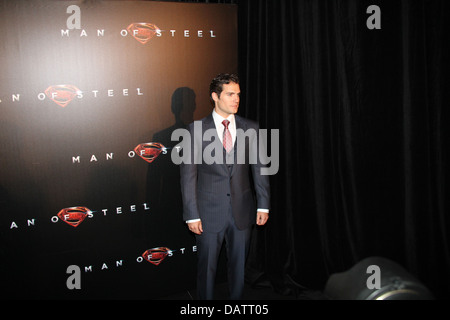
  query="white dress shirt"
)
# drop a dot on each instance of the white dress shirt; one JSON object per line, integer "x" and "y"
{"x": 220, "y": 127}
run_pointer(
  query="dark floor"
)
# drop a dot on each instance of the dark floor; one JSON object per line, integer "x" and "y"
{"x": 252, "y": 293}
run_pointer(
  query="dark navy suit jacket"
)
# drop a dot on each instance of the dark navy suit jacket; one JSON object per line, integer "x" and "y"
{"x": 210, "y": 190}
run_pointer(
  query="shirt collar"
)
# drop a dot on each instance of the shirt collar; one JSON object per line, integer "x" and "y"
{"x": 218, "y": 118}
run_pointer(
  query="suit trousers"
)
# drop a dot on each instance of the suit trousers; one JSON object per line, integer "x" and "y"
{"x": 209, "y": 245}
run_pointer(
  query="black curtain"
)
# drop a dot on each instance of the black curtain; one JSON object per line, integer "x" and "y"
{"x": 363, "y": 117}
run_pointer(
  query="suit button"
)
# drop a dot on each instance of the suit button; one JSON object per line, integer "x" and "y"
{"x": 228, "y": 194}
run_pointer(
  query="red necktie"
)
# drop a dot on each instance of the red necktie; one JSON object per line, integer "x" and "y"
{"x": 227, "y": 141}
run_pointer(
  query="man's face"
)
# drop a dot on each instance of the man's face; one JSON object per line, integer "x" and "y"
{"x": 228, "y": 102}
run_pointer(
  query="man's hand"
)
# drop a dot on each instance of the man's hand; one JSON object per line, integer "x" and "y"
{"x": 195, "y": 227}
{"x": 261, "y": 218}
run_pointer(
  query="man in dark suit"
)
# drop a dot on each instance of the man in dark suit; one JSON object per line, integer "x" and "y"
{"x": 219, "y": 196}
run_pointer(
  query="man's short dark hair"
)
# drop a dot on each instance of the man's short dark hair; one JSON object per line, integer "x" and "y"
{"x": 218, "y": 82}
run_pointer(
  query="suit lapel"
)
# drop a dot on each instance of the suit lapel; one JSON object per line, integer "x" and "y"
{"x": 242, "y": 125}
{"x": 208, "y": 123}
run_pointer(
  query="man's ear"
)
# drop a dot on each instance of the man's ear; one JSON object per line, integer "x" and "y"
{"x": 214, "y": 96}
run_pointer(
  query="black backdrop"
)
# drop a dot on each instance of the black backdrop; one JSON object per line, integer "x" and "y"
{"x": 363, "y": 118}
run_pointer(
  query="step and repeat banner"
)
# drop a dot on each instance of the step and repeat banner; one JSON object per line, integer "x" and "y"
{"x": 90, "y": 92}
